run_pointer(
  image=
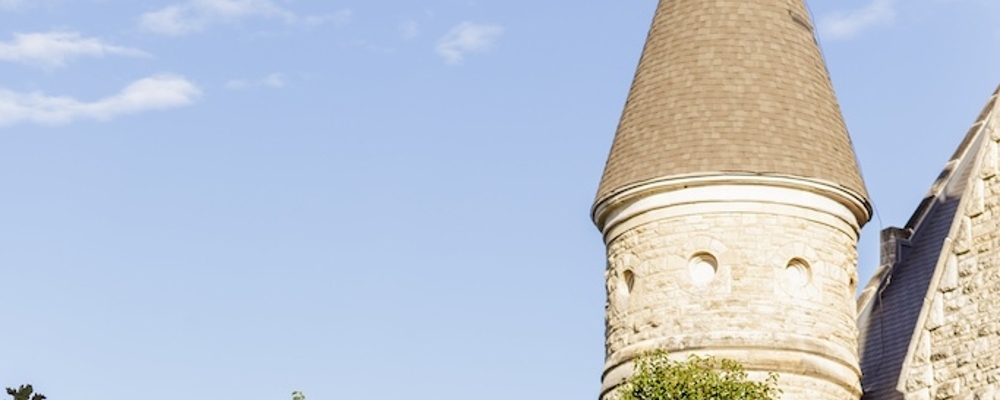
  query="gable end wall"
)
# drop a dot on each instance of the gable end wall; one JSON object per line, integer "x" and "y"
{"x": 955, "y": 353}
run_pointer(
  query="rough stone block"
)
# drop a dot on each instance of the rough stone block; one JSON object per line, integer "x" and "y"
{"x": 948, "y": 390}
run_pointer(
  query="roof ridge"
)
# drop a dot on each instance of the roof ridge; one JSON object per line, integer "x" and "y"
{"x": 940, "y": 184}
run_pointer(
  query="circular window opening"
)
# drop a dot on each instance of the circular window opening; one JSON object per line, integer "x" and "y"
{"x": 703, "y": 268}
{"x": 798, "y": 274}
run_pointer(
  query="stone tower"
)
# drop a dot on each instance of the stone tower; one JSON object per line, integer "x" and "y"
{"x": 731, "y": 202}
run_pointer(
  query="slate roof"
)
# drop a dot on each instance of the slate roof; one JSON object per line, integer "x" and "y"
{"x": 894, "y": 299}
{"x": 731, "y": 86}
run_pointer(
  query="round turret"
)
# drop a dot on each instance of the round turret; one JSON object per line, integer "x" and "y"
{"x": 731, "y": 203}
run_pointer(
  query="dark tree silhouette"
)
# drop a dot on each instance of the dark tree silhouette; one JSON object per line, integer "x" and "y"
{"x": 25, "y": 392}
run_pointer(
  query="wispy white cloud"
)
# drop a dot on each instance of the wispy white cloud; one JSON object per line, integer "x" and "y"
{"x": 409, "y": 29}
{"x": 467, "y": 37}
{"x": 21, "y": 5}
{"x": 848, "y": 24}
{"x": 55, "y": 49}
{"x": 338, "y": 18}
{"x": 157, "y": 92}
{"x": 372, "y": 47}
{"x": 197, "y": 15}
{"x": 274, "y": 81}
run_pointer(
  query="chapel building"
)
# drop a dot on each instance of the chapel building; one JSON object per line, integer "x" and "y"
{"x": 731, "y": 205}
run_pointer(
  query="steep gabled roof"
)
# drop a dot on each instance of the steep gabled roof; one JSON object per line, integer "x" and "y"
{"x": 731, "y": 86}
{"x": 897, "y": 297}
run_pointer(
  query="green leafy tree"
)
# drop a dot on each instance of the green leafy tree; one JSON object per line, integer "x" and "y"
{"x": 657, "y": 377}
{"x": 25, "y": 392}
{"x": 297, "y": 395}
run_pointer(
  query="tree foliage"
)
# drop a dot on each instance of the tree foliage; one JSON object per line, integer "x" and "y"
{"x": 297, "y": 395}
{"x": 25, "y": 392}
{"x": 657, "y": 377}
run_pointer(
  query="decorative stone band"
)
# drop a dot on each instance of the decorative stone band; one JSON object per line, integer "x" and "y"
{"x": 685, "y": 194}
{"x": 822, "y": 361}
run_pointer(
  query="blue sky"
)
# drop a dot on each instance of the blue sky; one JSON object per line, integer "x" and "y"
{"x": 235, "y": 199}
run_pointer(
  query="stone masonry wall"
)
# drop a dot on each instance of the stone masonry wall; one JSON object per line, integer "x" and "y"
{"x": 781, "y": 297}
{"x": 957, "y": 354}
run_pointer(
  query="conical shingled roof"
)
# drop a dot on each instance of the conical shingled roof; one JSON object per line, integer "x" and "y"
{"x": 731, "y": 86}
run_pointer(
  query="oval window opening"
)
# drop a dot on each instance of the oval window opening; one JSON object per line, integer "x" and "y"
{"x": 703, "y": 268}
{"x": 629, "y": 277}
{"x": 798, "y": 273}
